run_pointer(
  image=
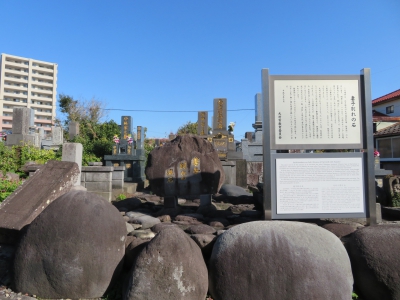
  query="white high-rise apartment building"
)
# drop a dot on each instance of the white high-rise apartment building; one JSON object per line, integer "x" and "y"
{"x": 26, "y": 82}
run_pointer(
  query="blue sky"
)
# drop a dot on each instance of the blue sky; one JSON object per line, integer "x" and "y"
{"x": 181, "y": 54}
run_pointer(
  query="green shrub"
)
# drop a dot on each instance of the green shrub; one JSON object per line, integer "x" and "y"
{"x": 395, "y": 199}
{"x": 7, "y": 187}
{"x": 121, "y": 197}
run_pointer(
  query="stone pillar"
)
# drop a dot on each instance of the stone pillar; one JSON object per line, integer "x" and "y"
{"x": 202, "y": 123}
{"x": 73, "y": 152}
{"x": 73, "y": 130}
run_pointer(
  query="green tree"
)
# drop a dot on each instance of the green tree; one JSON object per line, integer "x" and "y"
{"x": 189, "y": 128}
{"x": 96, "y": 137}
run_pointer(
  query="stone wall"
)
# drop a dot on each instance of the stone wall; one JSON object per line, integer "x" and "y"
{"x": 98, "y": 180}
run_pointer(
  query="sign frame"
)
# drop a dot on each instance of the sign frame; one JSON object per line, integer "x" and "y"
{"x": 365, "y": 147}
{"x": 310, "y": 156}
{"x": 302, "y": 144}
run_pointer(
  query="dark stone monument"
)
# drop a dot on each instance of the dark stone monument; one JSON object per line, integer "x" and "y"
{"x": 202, "y": 123}
{"x": 128, "y": 153}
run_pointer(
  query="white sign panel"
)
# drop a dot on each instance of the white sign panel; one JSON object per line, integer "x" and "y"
{"x": 317, "y": 112}
{"x": 319, "y": 185}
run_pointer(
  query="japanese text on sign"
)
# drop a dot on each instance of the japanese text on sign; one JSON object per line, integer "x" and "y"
{"x": 317, "y": 112}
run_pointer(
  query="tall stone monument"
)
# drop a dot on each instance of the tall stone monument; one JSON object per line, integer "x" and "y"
{"x": 253, "y": 148}
{"x": 221, "y": 138}
{"x": 126, "y": 152}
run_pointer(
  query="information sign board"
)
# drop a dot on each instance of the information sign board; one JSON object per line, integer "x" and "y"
{"x": 315, "y": 112}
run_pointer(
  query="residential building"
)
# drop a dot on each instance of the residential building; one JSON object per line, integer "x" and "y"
{"x": 26, "y": 82}
{"x": 386, "y": 118}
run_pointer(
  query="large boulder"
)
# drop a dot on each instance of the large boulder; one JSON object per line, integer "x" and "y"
{"x": 170, "y": 267}
{"x": 374, "y": 254}
{"x": 279, "y": 260}
{"x": 186, "y": 166}
{"x": 73, "y": 249}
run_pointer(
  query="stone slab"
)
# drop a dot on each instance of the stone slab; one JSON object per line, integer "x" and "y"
{"x": 98, "y": 186}
{"x": 98, "y": 177}
{"x": 97, "y": 169}
{"x": 17, "y": 139}
{"x": 20, "y": 208}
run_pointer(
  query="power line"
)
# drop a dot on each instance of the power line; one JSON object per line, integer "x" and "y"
{"x": 173, "y": 111}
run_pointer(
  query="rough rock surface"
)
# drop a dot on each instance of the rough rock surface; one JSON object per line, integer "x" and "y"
{"x": 279, "y": 260}
{"x": 340, "y": 230}
{"x": 374, "y": 254}
{"x": 170, "y": 267}
{"x": 72, "y": 249}
{"x": 188, "y": 165}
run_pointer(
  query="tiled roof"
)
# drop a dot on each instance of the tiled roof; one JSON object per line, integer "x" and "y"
{"x": 388, "y": 131}
{"x": 380, "y": 117}
{"x": 386, "y": 97}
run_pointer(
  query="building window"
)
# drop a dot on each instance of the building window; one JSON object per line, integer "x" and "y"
{"x": 390, "y": 109}
{"x": 388, "y": 147}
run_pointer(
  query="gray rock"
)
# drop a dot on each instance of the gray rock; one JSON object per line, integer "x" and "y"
{"x": 374, "y": 254}
{"x": 129, "y": 228}
{"x": 158, "y": 227}
{"x": 133, "y": 250}
{"x": 73, "y": 249}
{"x": 170, "y": 267}
{"x": 279, "y": 260}
{"x": 145, "y": 220}
{"x": 233, "y": 191}
{"x": 340, "y": 230}
{"x": 202, "y": 240}
{"x": 186, "y": 166}
{"x": 143, "y": 234}
{"x": 200, "y": 229}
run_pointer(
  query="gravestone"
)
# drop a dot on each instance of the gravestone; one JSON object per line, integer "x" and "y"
{"x": 253, "y": 148}
{"x": 22, "y": 125}
{"x": 54, "y": 140}
{"x": 73, "y": 129}
{"x": 202, "y": 123}
{"x": 20, "y": 208}
{"x": 223, "y": 141}
{"x": 73, "y": 152}
{"x": 129, "y": 154}
{"x": 187, "y": 167}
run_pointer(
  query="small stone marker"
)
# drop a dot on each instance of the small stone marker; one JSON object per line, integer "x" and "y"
{"x": 73, "y": 152}
{"x": 202, "y": 123}
{"x": 73, "y": 129}
{"x": 20, "y": 208}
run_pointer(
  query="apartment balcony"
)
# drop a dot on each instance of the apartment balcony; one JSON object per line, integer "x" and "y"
{"x": 43, "y": 121}
{"x": 20, "y": 70}
{"x": 6, "y": 126}
{"x": 42, "y": 90}
{"x": 11, "y": 84}
{"x": 42, "y": 113}
{"x": 16, "y": 78}
{"x": 41, "y": 104}
{"x": 7, "y": 118}
{"x": 41, "y": 76}
{"x": 43, "y": 69}
{"x": 22, "y": 64}
{"x": 43, "y": 82}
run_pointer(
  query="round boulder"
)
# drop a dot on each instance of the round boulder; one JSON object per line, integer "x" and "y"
{"x": 374, "y": 254}
{"x": 73, "y": 249}
{"x": 186, "y": 166}
{"x": 279, "y": 260}
{"x": 170, "y": 267}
